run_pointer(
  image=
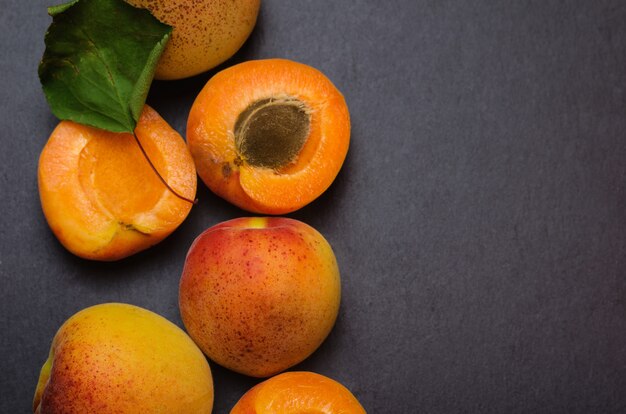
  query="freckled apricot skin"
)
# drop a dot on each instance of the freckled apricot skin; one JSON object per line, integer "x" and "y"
{"x": 100, "y": 196}
{"x": 259, "y": 295}
{"x": 211, "y": 140}
{"x": 206, "y": 32}
{"x": 118, "y": 358}
{"x": 298, "y": 392}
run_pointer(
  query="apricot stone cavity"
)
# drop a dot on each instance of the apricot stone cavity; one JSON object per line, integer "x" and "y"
{"x": 271, "y": 132}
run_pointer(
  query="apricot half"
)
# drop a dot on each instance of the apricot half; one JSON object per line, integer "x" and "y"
{"x": 99, "y": 194}
{"x": 206, "y": 32}
{"x": 297, "y": 393}
{"x": 258, "y": 295}
{"x": 269, "y": 136}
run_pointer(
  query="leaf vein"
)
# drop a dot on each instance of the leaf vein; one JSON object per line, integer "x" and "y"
{"x": 109, "y": 73}
{"x": 90, "y": 106}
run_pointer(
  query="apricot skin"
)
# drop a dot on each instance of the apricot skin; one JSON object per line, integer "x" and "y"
{"x": 118, "y": 358}
{"x": 298, "y": 392}
{"x": 259, "y": 295}
{"x": 100, "y": 196}
{"x": 206, "y": 32}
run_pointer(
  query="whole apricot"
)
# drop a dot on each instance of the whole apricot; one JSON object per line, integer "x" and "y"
{"x": 296, "y": 393}
{"x": 206, "y": 32}
{"x": 259, "y": 295}
{"x": 269, "y": 136}
{"x": 118, "y": 358}
{"x": 99, "y": 194}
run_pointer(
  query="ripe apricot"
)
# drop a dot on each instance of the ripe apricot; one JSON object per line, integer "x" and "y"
{"x": 259, "y": 295}
{"x": 115, "y": 358}
{"x": 206, "y": 32}
{"x": 298, "y": 392}
{"x": 269, "y": 136}
{"x": 99, "y": 194}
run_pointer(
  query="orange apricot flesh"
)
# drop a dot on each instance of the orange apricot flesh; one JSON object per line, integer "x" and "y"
{"x": 99, "y": 194}
{"x": 269, "y": 136}
{"x": 298, "y": 393}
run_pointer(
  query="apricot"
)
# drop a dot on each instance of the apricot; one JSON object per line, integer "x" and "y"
{"x": 269, "y": 136}
{"x": 99, "y": 194}
{"x": 118, "y": 358}
{"x": 296, "y": 393}
{"x": 206, "y": 32}
{"x": 259, "y": 295}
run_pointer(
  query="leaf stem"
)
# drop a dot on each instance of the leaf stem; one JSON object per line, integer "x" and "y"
{"x": 143, "y": 151}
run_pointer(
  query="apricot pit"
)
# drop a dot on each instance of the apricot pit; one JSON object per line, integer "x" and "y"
{"x": 271, "y": 132}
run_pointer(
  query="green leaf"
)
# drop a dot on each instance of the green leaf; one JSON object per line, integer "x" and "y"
{"x": 54, "y": 10}
{"x": 99, "y": 62}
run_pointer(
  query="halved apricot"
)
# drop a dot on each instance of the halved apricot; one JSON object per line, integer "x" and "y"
{"x": 269, "y": 136}
{"x": 100, "y": 196}
{"x": 296, "y": 393}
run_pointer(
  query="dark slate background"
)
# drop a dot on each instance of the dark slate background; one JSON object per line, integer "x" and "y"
{"x": 479, "y": 220}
